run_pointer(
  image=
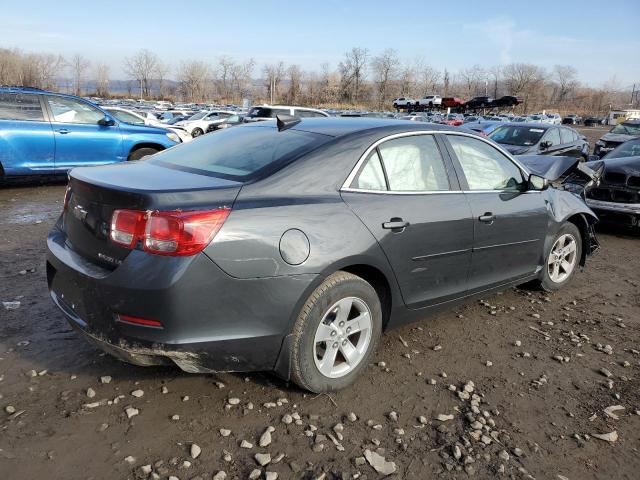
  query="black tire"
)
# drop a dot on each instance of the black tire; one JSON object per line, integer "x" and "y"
{"x": 140, "y": 153}
{"x": 337, "y": 286}
{"x": 546, "y": 283}
{"x": 197, "y": 132}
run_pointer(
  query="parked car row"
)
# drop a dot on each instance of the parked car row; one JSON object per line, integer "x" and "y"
{"x": 436, "y": 101}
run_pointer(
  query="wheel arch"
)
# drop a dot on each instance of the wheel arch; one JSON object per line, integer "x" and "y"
{"x": 138, "y": 146}
{"x": 585, "y": 229}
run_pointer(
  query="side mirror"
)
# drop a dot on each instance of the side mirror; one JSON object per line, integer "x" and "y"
{"x": 544, "y": 145}
{"x": 537, "y": 182}
{"x": 106, "y": 121}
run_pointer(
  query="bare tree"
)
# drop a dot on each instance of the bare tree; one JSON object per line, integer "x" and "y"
{"x": 273, "y": 77}
{"x": 10, "y": 66}
{"x": 102, "y": 80}
{"x": 225, "y": 65}
{"x": 353, "y": 70}
{"x": 161, "y": 71}
{"x": 295, "y": 76}
{"x": 194, "y": 79}
{"x": 427, "y": 77}
{"x": 384, "y": 68}
{"x": 524, "y": 80}
{"x": 141, "y": 67}
{"x": 240, "y": 74}
{"x": 472, "y": 79}
{"x": 78, "y": 65}
{"x": 495, "y": 75}
{"x": 407, "y": 80}
{"x": 565, "y": 77}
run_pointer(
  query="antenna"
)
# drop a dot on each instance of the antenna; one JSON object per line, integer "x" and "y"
{"x": 286, "y": 121}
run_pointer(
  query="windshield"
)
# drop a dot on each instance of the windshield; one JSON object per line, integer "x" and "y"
{"x": 517, "y": 135}
{"x": 126, "y": 117}
{"x": 627, "y": 149}
{"x": 197, "y": 116}
{"x": 627, "y": 129}
{"x": 240, "y": 153}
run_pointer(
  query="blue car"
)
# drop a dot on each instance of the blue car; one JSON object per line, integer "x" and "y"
{"x": 48, "y": 133}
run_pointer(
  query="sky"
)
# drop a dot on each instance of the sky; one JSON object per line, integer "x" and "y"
{"x": 599, "y": 38}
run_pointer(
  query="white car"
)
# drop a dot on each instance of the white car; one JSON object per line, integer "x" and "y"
{"x": 199, "y": 123}
{"x": 430, "y": 101}
{"x": 265, "y": 112}
{"x": 554, "y": 118}
{"x": 403, "y": 102}
{"x": 146, "y": 118}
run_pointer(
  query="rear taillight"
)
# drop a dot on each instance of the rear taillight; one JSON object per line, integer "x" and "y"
{"x": 127, "y": 227}
{"x": 175, "y": 233}
{"x": 138, "y": 321}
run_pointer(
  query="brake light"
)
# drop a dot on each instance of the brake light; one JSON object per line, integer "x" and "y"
{"x": 127, "y": 226}
{"x": 176, "y": 233}
{"x": 182, "y": 233}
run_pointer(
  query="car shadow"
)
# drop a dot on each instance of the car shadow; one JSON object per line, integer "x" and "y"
{"x": 33, "y": 181}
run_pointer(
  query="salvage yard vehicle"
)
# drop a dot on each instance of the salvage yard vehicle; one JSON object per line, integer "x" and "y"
{"x": 430, "y": 101}
{"x": 543, "y": 139}
{"x": 135, "y": 118}
{"x": 616, "y": 198}
{"x": 403, "y": 102}
{"x": 292, "y": 245}
{"x": 619, "y": 134}
{"x": 269, "y": 112}
{"x": 479, "y": 102}
{"x": 199, "y": 123}
{"x": 43, "y": 132}
{"x": 452, "y": 102}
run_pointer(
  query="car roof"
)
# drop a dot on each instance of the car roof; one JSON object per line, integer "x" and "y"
{"x": 341, "y": 126}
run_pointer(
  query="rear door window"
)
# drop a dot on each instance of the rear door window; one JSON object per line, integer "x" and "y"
{"x": 16, "y": 106}
{"x": 69, "y": 110}
{"x": 552, "y": 136}
{"x": 566, "y": 136}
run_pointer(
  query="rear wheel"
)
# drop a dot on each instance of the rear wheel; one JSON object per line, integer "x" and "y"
{"x": 197, "y": 132}
{"x": 562, "y": 259}
{"x": 336, "y": 333}
{"x": 140, "y": 153}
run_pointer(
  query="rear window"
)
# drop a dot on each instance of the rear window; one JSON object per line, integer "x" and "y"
{"x": 240, "y": 153}
{"x": 14, "y": 106}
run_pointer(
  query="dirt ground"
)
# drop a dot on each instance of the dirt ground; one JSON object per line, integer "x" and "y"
{"x": 544, "y": 369}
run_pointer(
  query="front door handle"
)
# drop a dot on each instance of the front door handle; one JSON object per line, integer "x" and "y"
{"x": 396, "y": 224}
{"x": 488, "y": 217}
{"x": 63, "y": 131}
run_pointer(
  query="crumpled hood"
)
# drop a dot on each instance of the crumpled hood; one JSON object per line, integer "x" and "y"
{"x": 554, "y": 168}
{"x": 626, "y": 165}
{"x": 616, "y": 137}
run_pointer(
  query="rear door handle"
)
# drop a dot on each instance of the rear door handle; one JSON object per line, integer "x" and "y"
{"x": 63, "y": 131}
{"x": 395, "y": 224}
{"x": 488, "y": 217}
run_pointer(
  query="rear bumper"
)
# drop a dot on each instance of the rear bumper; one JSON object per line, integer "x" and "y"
{"x": 210, "y": 321}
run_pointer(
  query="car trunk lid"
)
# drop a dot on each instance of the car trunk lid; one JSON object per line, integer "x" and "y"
{"x": 94, "y": 193}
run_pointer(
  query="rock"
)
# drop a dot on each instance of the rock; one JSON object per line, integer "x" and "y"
{"x": 225, "y": 432}
{"x": 610, "y": 411}
{"x": 10, "y": 409}
{"x": 287, "y": 419}
{"x": 11, "y": 305}
{"x": 185, "y": 398}
{"x": 443, "y": 418}
{"x": 130, "y": 460}
{"x": 221, "y": 475}
{"x": 423, "y": 420}
{"x": 195, "y": 451}
{"x": 255, "y": 474}
{"x": 359, "y": 461}
{"x": 262, "y": 458}
{"x": 606, "y": 372}
{"x": 382, "y": 364}
{"x": 607, "y": 437}
{"x": 175, "y": 417}
{"x": 233, "y": 401}
{"x": 352, "y": 417}
{"x": 91, "y": 392}
{"x": 137, "y": 393}
{"x": 164, "y": 389}
{"x": 271, "y": 475}
{"x": 503, "y": 455}
{"x": 105, "y": 379}
{"x": 518, "y": 343}
{"x": 145, "y": 469}
{"x": 457, "y": 453}
{"x": 393, "y": 416}
{"x": 265, "y": 438}
{"x": 437, "y": 348}
{"x": 131, "y": 412}
{"x": 517, "y": 452}
{"x": 489, "y": 363}
{"x": 379, "y": 463}
{"x": 245, "y": 444}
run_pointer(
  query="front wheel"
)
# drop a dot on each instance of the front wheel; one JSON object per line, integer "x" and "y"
{"x": 141, "y": 153}
{"x": 562, "y": 259}
{"x": 197, "y": 132}
{"x": 336, "y": 333}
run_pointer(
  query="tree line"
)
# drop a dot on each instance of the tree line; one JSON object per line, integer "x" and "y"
{"x": 360, "y": 80}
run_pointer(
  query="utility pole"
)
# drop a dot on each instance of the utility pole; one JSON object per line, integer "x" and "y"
{"x": 140, "y": 89}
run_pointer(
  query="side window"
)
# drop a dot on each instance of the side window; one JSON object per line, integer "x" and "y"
{"x": 566, "y": 135}
{"x": 574, "y": 135}
{"x": 68, "y": 110}
{"x": 371, "y": 176}
{"x": 14, "y": 106}
{"x": 308, "y": 114}
{"x": 553, "y": 136}
{"x": 414, "y": 163}
{"x": 485, "y": 167}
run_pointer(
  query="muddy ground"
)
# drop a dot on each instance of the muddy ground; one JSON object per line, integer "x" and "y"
{"x": 536, "y": 414}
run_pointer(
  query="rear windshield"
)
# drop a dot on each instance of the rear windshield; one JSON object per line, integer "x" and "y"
{"x": 627, "y": 149}
{"x": 627, "y": 128}
{"x": 240, "y": 153}
{"x": 520, "y": 135}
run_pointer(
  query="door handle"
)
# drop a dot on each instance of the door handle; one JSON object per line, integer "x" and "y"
{"x": 396, "y": 224}
{"x": 488, "y": 217}
{"x": 63, "y": 131}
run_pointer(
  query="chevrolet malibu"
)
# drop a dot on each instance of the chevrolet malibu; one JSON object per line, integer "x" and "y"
{"x": 293, "y": 245}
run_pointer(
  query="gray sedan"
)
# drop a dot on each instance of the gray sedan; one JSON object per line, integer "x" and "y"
{"x": 292, "y": 245}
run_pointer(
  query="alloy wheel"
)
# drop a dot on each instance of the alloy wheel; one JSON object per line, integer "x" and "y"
{"x": 342, "y": 337}
{"x": 562, "y": 258}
